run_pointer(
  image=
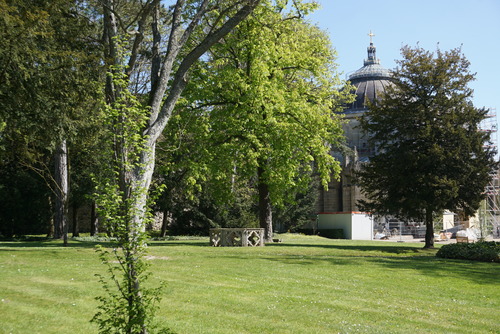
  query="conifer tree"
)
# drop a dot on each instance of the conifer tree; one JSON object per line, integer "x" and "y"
{"x": 431, "y": 155}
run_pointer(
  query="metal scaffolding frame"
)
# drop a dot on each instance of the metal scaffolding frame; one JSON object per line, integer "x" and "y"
{"x": 489, "y": 214}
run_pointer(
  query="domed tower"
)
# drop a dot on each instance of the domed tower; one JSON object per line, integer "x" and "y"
{"x": 370, "y": 82}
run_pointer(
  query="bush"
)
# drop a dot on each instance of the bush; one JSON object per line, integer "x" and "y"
{"x": 485, "y": 251}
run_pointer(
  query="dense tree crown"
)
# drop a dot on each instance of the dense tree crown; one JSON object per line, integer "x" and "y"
{"x": 431, "y": 154}
{"x": 265, "y": 100}
{"x": 49, "y": 68}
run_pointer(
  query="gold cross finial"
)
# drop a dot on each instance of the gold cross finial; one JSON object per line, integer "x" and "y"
{"x": 371, "y": 36}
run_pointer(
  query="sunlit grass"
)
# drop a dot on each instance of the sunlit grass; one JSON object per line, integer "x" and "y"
{"x": 303, "y": 285}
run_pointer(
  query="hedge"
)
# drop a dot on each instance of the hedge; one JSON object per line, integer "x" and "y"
{"x": 485, "y": 251}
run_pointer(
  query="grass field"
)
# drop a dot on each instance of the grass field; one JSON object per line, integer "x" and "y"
{"x": 303, "y": 285}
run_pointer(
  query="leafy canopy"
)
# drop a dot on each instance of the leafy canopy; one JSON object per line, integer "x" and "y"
{"x": 265, "y": 97}
{"x": 431, "y": 154}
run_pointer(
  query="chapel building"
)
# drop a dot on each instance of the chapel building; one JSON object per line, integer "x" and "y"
{"x": 370, "y": 81}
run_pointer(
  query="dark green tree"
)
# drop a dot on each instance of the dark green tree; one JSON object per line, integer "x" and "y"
{"x": 49, "y": 65}
{"x": 431, "y": 155}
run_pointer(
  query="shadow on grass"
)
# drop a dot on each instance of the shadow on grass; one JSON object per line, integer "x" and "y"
{"x": 51, "y": 243}
{"x": 422, "y": 261}
{"x": 72, "y": 243}
{"x": 478, "y": 272}
{"x": 197, "y": 243}
{"x": 382, "y": 247}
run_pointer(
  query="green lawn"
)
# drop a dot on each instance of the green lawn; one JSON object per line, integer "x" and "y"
{"x": 303, "y": 285}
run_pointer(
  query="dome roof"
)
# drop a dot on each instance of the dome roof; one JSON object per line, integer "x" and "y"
{"x": 370, "y": 71}
{"x": 370, "y": 81}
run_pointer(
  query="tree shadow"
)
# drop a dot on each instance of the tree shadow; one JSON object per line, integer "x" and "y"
{"x": 475, "y": 271}
{"x": 51, "y": 243}
{"x": 418, "y": 259}
{"x": 383, "y": 247}
{"x": 174, "y": 243}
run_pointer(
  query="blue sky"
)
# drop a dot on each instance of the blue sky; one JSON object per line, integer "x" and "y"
{"x": 472, "y": 24}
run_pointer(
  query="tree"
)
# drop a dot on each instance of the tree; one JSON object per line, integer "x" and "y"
{"x": 49, "y": 68}
{"x": 137, "y": 122}
{"x": 431, "y": 155}
{"x": 268, "y": 112}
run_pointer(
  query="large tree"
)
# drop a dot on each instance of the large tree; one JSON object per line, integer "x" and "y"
{"x": 49, "y": 66}
{"x": 172, "y": 55}
{"x": 431, "y": 155}
{"x": 268, "y": 113}
{"x": 167, "y": 38}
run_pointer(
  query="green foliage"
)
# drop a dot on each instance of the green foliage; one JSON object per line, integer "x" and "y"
{"x": 293, "y": 215}
{"x": 24, "y": 201}
{"x": 431, "y": 155}
{"x": 128, "y": 307}
{"x": 48, "y": 92}
{"x": 114, "y": 316}
{"x": 485, "y": 251}
{"x": 332, "y": 233}
{"x": 49, "y": 68}
{"x": 272, "y": 97}
{"x": 125, "y": 118}
{"x": 265, "y": 97}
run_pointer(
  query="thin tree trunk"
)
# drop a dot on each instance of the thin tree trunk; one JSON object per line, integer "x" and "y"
{"x": 265, "y": 208}
{"x": 94, "y": 222}
{"x": 61, "y": 178}
{"x": 164, "y": 223}
{"x": 139, "y": 185}
{"x": 429, "y": 229}
{"x": 50, "y": 229}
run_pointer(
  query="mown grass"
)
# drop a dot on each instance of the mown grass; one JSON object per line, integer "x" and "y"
{"x": 303, "y": 285}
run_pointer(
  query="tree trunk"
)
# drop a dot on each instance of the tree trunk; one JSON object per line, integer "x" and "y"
{"x": 139, "y": 186}
{"x": 50, "y": 229}
{"x": 94, "y": 222}
{"x": 164, "y": 223}
{"x": 429, "y": 229}
{"x": 265, "y": 208}
{"x": 61, "y": 178}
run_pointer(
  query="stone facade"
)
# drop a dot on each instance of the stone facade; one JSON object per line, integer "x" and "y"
{"x": 370, "y": 81}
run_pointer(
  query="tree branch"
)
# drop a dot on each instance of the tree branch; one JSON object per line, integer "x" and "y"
{"x": 159, "y": 121}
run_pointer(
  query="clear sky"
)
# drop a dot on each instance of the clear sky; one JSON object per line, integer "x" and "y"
{"x": 472, "y": 24}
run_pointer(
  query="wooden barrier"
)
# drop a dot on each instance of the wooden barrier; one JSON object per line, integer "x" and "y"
{"x": 236, "y": 237}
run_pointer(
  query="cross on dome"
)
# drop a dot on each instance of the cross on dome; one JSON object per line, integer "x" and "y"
{"x": 372, "y": 57}
{"x": 371, "y": 36}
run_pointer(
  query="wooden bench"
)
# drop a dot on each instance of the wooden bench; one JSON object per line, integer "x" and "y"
{"x": 462, "y": 239}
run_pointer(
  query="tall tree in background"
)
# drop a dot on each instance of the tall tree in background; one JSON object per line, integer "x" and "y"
{"x": 265, "y": 100}
{"x": 431, "y": 155}
{"x": 49, "y": 65}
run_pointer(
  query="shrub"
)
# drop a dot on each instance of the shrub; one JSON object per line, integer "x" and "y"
{"x": 485, "y": 251}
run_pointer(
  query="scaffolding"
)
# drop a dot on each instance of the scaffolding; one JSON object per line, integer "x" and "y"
{"x": 489, "y": 214}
